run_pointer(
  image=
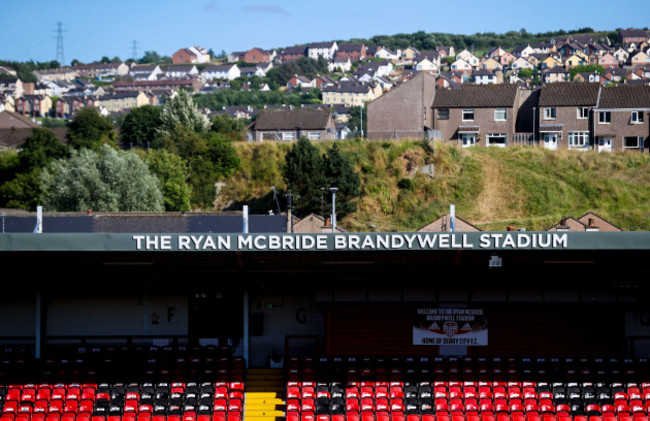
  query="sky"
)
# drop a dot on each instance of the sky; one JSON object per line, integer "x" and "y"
{"x": 92, "y": 29}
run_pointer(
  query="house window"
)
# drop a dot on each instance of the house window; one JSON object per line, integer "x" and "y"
{"x": 631, "y": 142}
{"x": 500, "y": 114}
{"x": 636, "y": 117}
{"x": 583, "y": 113}
{"x": 468, "y": 115}
{"x": 313, "y": 135}
{"x": 578, "y": 140}
{"x": 443, "y": 114}
{"x": 604, "y": 117}
{"x": 288, "y": 135}
{"x": 468, "y": 139}
{"x": 549, "y": 113}
{"x": 496, "y": 139}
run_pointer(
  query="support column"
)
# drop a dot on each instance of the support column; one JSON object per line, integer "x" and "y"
{"x": 38, "y": 326}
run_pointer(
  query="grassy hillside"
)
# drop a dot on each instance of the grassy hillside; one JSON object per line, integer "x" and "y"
{"x": 491, "y": 187}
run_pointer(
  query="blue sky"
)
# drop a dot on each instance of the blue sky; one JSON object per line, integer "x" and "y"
{"x": 96, "y": 28}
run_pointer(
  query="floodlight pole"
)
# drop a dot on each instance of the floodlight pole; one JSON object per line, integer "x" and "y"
{"x": 333, "y": 190}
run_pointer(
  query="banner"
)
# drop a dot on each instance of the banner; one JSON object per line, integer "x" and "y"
{"x": 450, "y": 326}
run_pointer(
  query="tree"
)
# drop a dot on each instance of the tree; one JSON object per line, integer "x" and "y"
{"x": 106, "y": 180}
{"x": 231, "y": 127}
{"x": 89, "y": 129}
{"x": 150, "y": 57}
{"x": 304, "y": 175}
{"x": 140, "y": 126}
{"x": 182, "y": 111}
{"x": 222, "y": 155}
{"x": 171, "y": 170}
{"x": 39, "y": 148}
{"x": 340, "y": 173}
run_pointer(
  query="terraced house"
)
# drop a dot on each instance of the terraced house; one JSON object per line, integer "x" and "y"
{"x": 477, "y": 115}
{"x": 621, "y": 118}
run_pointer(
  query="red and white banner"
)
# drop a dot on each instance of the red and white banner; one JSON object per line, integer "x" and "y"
{"x": 450, "y": 326}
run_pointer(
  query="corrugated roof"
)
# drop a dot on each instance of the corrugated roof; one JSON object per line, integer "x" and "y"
{"x": 476, "y": 96}
{"x": 568, "y": 94}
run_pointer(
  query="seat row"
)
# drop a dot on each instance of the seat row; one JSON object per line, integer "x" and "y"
{"x": 293, "y": 416}
{"x": 187, "y": 416}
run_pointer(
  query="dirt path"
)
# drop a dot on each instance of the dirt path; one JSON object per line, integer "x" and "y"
{"x": 494, "y": 202}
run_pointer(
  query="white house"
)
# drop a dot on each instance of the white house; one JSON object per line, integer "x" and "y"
{"x": 327, "y": 50}
{"x": 522, "y": 63}
{"x": 181, "y": 71}
{"x": 145, "y": 72}
{"x": 343, "y": 64}
{"x": 461, "y": 65}
{"x": 222, "y": 71}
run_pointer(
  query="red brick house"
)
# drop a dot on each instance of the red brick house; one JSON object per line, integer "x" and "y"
{"x": 257, "y": 55}
{"x": 354, "y": 51}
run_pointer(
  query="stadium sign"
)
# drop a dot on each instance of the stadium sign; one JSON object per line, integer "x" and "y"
{"x": 288, "y": 242}
{"x": 450, "y": 326}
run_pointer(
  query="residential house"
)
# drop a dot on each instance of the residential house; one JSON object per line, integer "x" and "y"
{"x": 34, "y": 105}
{"x": 554, "y": 75}
{"x": 461, "y": 65}
{"x": 426, "y": 65}
{"x": 639, "y": 59}
{"x": 301, "y": 81}
{"x": 121, "y": 101}
{"x": 313, "y": 223}
{"x": 101, "y": 70}
{"x": 386, "y": 54}
{"x": 351, "y": 93}
{"x": 193, "y": 84}
{"x": 179, "y": 71}
{"x": 495, "y": 52}
{"x": 523, "y": 51}
{"x": 608, "y": 60}
{"x": 544, "y": 48}
{"x": 374, "y": 69}
{"x": 63, "y": 73}
{"x": 445, "y": 51}
{"x": 14, "y": 129}
{"x": 4, "y": 70}
{"x": 575, "y": 60}
{"x": 621, "y": 55}
{"x": 507, "y": 59}
{"x": 565, "y": 114}
{"x": 12, "y": 86}
{"x": 482, "y": 115}
{"x": 443, "y": 224}
{"x": 588, "y": 222}
{"x": 550, "y": 62}
{"x": 483, "y": 77}
{"x": 340, "y": 64}
{"x": 355, "y": 51}
{"x": 145, "y": 72}
{"x": 586, "y": 77}
{"x": 327, "y": 50}
{"x": 469, "y": 58}
{"x": 258, "y": 55}
{"x": 491, "y": 64}
{"x": 7, "y": 103}
{"x": 628, "y": 35}
{"x": 404, "y": 111}
{"x": 622, "y": 118}
{"x": 290, "y": 125}
{"x": 252, "y": 71}
{"x": 409, "y": 53}
{"x": 191, "y": 55}
{"x": 293, "y": 53}
{"x": 522, "y": 63}
{"x": 221, "y": 71}
{"x": 67, "y": 106}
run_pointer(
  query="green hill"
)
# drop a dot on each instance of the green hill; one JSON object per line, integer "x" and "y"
{"x": 491, "y": 188}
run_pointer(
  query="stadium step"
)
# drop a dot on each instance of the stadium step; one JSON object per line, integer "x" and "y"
{"x": 264, "y": 400}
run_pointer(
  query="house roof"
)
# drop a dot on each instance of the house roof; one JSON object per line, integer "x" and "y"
{"x": 351, "y": 46}
{"x": 9, "y": 119}
{"x": 299, "y": 49}
{"x": 568, "y": 94}
{"x": 477, "y": 96}
{"x": 631, "y": 32}
{"x": 219, "y": 68}
{"x": 306, "y": 119}
{"x": 624, "y": 97}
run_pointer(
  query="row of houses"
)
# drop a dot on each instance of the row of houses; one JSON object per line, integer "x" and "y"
{"x": 566, "y": 115}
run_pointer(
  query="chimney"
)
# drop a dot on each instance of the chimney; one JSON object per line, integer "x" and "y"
{"x": 591, "y": 225}
{"x": 327, "y": 227}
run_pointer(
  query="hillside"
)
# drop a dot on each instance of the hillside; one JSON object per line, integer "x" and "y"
{"x": 492, "y": 188}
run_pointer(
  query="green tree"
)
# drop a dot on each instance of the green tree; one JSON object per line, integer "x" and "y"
{"x": 525, "y": 73}
{"x": 222, "y": 155}
{"x": 586, "y": 68}
{"x": 22, "y": 192}
{"x": 39, "y": 149}
{"x": 150, "y": 57}
{"x": 89, "y": 129}
{"x": 171, "y": 170}
{"x": 340, "y": 173}
{"x": 182, "y": 111}
{"x": 304, "y": 175}
{"x": 106, "y": 180}
{"x": 228, "y": 126}
{"x": 140, "y": 127}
